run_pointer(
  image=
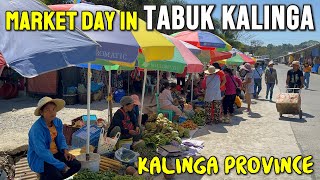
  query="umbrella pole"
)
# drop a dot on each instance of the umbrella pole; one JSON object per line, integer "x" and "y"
{"x": 192, "y": 87}
{"x": 109, "y": 99}
{"x": 158, "y": 82}
{"x": 143, "y": 92}
{"x": 89, "y": 75}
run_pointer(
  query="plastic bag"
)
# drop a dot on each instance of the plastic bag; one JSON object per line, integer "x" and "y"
{"x": 126, "y": 156}
{"x": 107, "y": 144}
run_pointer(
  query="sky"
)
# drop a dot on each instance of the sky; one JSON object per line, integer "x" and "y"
{"x": 272, "y": 37}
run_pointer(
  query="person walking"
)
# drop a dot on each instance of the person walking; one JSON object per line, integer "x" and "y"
{"x": 257, "y": 77}
{"x": 212, "y": 95}
{"x": 271, "y": 78}
{"x": 307, "y": 70}
{"x": 295, "y": 77}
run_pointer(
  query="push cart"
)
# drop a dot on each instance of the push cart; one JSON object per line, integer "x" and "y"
{"x": 289, "y": 102}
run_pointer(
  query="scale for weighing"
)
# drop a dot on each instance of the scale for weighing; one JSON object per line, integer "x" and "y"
{"x": 169, "y": 150}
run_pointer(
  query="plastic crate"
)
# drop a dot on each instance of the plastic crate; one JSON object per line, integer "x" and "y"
{"x": 79, "y": 138}
{"x": 93, "y": 119}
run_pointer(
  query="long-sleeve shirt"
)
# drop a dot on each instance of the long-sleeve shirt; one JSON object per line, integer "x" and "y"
{"x": 271, "y": 76}
{"x": 39, "y": 145}
{"x": 126, "y": 122}
{"x": 165, "y": 98}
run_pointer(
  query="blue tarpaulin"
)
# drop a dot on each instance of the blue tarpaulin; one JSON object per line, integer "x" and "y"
{"x": 31, "y": 53}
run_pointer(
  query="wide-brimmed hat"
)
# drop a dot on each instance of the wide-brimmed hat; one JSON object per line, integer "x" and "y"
{"x": 271, "y": 63}
{"x": 246, "y": 67}
{"x": 136, "y": 99}
{"x": 296, "y": 63}
{"x": 211, "y": 70}
{"x": 60, "y": 103}
{"x": 126, "y": 100}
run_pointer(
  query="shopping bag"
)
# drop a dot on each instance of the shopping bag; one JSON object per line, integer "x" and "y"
{"x": 107, "y": 144}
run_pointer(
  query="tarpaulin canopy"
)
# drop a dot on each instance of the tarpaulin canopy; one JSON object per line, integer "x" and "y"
{"x": 31, "y": 53}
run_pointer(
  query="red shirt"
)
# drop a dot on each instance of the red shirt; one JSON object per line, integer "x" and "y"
{"x": 222, "y": 76}
{"x": 183, "y": 75}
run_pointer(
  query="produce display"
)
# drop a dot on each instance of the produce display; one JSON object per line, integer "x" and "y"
{"x": 107, "y": 164}
{"x": 200, "y": 117}
{"x": 163, "y": 132}
{"x": 89, "y": 175}
{"x": 147, "y": 152}
{"x": 108, "y": 175}
{"x": 189, "y": 124}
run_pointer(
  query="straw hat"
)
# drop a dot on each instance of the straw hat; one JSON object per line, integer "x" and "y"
{"x": 211, "y": 70}
{"x": 136, "y": 99}
{"x": 60, "y": 103}
{"x": 246, "y": 67}
{"x": 271, "y": 63}
{"x": 296, "y": 63}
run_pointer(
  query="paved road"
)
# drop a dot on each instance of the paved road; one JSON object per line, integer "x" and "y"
{"x": 307, "y": 130}
{"x": 264, "y": 133}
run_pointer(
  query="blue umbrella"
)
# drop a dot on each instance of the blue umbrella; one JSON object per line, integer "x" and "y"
{"x": 31, "y": 53}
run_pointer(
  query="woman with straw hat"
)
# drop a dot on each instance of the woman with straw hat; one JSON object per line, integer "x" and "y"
{"x": 248, "y": 84}
{"x": 48, "y": 151}
{"x": 212, "y": 96}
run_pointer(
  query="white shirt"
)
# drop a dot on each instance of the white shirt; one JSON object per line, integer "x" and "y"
{"x": 213, "y": 88}
{"x": 250, "y": 86}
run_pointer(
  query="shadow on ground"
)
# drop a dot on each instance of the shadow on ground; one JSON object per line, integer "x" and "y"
{"x": 293, "y": 119}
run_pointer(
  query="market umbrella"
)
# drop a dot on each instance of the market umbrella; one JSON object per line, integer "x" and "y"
{"x": 183, "y": 58}
{"x": 122, "y": 46}
{"x": 204, "y": 40}
{"x": 117, "y": 45}
{"x": 32, "y": 53}
{"x": 211, "y": 56}
{"x": 238, "y": 59}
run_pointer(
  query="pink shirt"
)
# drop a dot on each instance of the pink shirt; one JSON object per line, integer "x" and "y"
{"x": 230, "y": 86}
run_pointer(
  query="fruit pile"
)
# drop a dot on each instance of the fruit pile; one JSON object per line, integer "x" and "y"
{"x": 189, "y": 124}
{"x": 163, "y": 131}
{"x": 200, "y": 117}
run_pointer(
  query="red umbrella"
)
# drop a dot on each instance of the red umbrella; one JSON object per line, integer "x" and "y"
{"x": 217, "y": 56}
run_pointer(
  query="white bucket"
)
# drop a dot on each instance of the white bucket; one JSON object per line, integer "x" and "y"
{"x": 93, "y": 164}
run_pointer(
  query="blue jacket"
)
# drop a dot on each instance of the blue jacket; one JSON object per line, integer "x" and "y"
{"x": 39, "y": 145}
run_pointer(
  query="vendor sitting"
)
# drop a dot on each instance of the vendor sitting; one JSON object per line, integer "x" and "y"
{"x": 48, "y": 151}
{"x": 124, "y": 121}
{"x": 177, "y": 99}
{"x": 166, "y": 101}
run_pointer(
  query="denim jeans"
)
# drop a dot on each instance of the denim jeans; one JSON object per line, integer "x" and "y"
{"x": 306, "y": 79}
{"x": 257, "y": 87}
{"x": 270, "y": 87}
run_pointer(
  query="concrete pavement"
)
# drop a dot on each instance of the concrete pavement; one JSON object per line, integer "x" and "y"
{"x": 263, "y": 133}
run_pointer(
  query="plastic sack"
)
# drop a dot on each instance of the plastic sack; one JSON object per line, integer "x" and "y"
{"x": 126, "y": 156}
{"x": 107, "y": 144}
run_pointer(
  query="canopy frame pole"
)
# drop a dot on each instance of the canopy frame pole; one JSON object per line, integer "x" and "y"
{"x": 89, "y": 75}
{"x": 143, "y": 93}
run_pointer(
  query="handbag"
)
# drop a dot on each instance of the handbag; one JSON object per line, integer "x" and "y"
{"x": 238, "y": 90}
{"x": 107, "y": 144}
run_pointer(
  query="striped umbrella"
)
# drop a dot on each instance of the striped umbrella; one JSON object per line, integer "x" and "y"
{"x": 203, "y": 40}
{"x": 120, "y": 45}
